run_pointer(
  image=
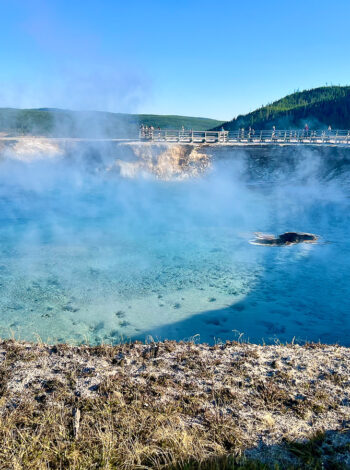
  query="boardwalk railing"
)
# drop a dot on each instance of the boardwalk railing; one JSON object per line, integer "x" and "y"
{"x": 246, "y": 136}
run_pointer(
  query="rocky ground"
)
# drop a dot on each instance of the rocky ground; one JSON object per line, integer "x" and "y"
{"x": 164, "y": 404}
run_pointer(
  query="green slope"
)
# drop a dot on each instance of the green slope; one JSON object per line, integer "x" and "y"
{"x": 176, "y": 122}
{"x": 319, "y": 108}
{"x": 66, "y": 123}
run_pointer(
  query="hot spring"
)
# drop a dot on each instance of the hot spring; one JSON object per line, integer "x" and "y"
{"x": 108, "y": 243}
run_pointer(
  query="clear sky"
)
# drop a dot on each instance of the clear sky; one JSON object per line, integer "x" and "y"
{"x": 201, "y": 58}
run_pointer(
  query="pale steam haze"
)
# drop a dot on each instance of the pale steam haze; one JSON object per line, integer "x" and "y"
{"x": 186, "y": 58}
{"x": 107, "y": 237}
{"x": 105, "y": 241}
{"x": 101, "y": 89}
{"x": 71, "y": 69}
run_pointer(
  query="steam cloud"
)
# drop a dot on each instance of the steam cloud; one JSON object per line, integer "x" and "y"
{"x": 104, "y": 241}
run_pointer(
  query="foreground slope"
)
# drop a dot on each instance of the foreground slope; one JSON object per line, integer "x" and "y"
{"x": 318, "y": 107}
{"x": 165, "y": 404}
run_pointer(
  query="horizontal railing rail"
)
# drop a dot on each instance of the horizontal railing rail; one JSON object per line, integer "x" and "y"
{"x": 339, "y": 136}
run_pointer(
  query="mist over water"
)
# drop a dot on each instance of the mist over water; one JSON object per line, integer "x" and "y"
{"x": 109, "y": 243}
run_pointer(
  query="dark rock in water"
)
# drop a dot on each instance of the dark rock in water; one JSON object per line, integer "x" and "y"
{"x": 69, "y": 308}
{"x": 287, "y": 238}
{"x": 120, "y": 314}
{"x": 294, "y": 237}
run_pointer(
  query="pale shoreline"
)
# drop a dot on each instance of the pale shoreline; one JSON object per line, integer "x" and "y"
{"x": 228, "y": 399}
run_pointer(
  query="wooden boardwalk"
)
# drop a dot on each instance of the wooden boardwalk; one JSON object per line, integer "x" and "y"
{"x": 280, "y": 137}
{"x": 247, "y": 137}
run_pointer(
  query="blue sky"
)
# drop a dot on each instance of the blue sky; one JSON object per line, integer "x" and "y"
{"x": 200, "y": 58}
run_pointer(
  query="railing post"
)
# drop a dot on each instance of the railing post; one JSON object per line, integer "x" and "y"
{"x": 241, "y": 135}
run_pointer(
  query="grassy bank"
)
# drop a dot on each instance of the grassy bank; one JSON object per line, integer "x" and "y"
{"x": 174, "y": 405}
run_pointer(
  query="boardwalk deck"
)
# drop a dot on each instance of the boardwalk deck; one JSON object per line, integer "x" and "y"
{"x": 247, "y": 137}
{"x": 240, "y": 138}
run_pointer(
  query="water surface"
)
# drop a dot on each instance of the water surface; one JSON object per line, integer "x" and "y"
{"x": 89, "y": 255}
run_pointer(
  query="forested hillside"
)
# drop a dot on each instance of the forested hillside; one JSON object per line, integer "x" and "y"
{"x": 66, "y": 123}
{"x": 319, "y": 108}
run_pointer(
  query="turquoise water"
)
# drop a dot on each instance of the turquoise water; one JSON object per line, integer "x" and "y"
{"x": 95, "y": 257}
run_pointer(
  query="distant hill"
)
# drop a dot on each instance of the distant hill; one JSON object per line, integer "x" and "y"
{"x": 319, "y": 108}
{"x": 65, "y": 123}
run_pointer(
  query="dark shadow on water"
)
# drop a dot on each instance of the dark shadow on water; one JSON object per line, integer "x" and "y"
{"x": 282, "y": 306}
{"x": 241, "y": 321}
{"x": 230, "y": 323}
{"x": 302, "y": 293}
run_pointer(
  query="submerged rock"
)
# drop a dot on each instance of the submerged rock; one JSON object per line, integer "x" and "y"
{"x": 287, "y": 238}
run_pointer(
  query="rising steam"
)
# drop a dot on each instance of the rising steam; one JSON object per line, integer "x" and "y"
{"x": 113, "y": 240}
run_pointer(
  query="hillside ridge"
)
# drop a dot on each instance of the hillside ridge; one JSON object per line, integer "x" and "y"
{"x": 55, "y": 122}
{"x": 318, "y": 108}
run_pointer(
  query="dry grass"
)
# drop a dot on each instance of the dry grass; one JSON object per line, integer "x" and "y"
{"x": 172, "y": 405}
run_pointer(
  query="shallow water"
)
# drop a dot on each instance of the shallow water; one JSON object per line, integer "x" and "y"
{"x": 96, "y": 257}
